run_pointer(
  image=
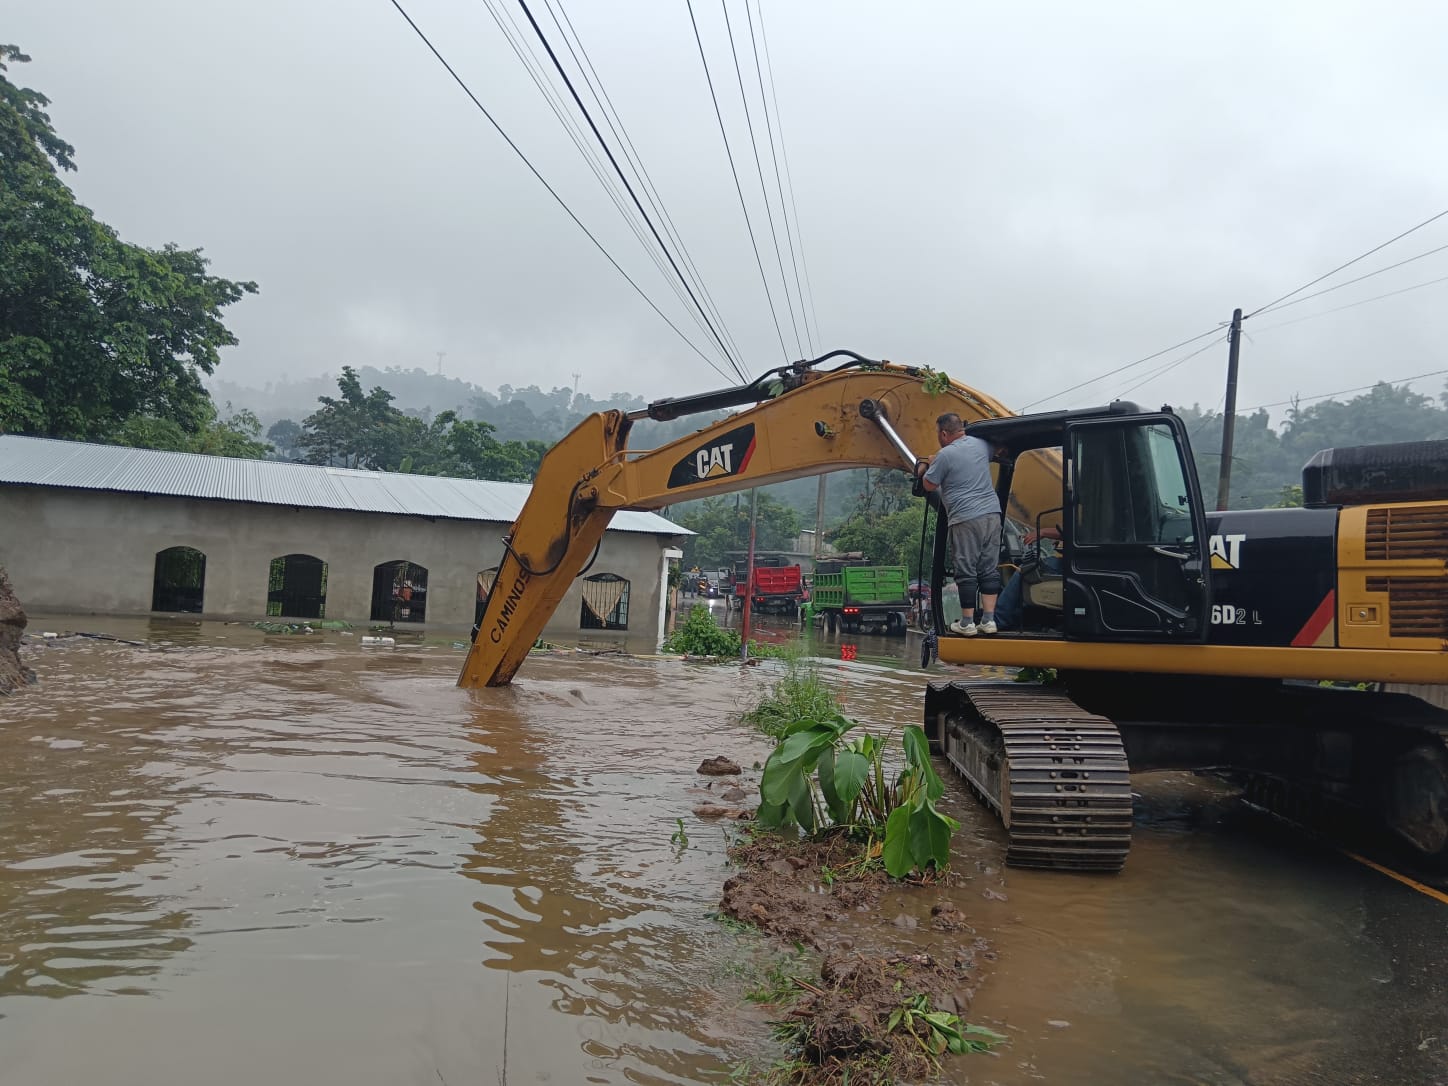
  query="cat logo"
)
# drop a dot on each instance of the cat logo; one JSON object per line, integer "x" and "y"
{"x": 715, "y": 460}
{"x": 725, "y": 455}
{"x": 1226, "y": 550}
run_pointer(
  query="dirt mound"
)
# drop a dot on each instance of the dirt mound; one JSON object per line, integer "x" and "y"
{"x": 800, "y": 891}
{"x": 843, "y": 1025}
{"x": 797, "y": 890}
{"x": 12, "y": 627}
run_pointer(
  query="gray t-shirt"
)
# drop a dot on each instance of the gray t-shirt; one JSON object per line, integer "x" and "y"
{"x": 962, "y": 472}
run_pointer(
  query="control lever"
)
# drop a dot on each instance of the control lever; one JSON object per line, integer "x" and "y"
{"x": 1167, "y": 552}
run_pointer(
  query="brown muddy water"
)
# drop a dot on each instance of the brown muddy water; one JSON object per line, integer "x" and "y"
{"x": 233, "y": 858}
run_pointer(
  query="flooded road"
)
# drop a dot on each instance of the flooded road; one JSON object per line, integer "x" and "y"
{"x": 233, "y": 858}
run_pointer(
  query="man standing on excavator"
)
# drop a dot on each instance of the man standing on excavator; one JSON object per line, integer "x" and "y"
{"x": 961, "y": 472}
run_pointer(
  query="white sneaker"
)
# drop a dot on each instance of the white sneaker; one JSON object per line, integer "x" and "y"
{"x": 989, "y": 627}
{"x": 968, "y": 630}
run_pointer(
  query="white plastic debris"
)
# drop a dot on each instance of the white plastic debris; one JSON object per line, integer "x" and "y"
{"x": 380, "y": 641}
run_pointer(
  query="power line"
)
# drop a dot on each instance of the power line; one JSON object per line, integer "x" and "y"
{"x": 759, "y": 169}
{"x": 788, "y": 177}
{"x": 543, "y": 38}
{"x": 1354, "y": 305}
{"x": 1161, "y": 370}
{"x": 1350, "y": 282}
{"x": 535, "y": 71}
{"x": 759, "y": 262}
{"x": 635, "y": 160}
{"x": 551, "y": 191}
{"x": 778, "y": 181}
{"x": 1122, "y": 369}
{"x": 1342, "y": 391}
{"x": 1349, "y": 264}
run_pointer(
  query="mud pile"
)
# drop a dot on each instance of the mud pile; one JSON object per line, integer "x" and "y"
{"x": 847, "y": 1026}
{"x": 12, "y": 627}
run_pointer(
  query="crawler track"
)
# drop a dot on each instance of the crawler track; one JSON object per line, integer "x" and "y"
{"x": 1055, "y": 774}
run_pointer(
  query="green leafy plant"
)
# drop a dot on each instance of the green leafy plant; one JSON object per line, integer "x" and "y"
{"x": 700, "y": 635}
{"x": 938, "y": 1032}
{"x": 816, "y": 778}
{"x": 680, "y": 837}
{"x": 799, "y": 694}
{"x": 916, "y": 834}
{"x": 935, "y": 381}
{"x": 1043, "y": 675}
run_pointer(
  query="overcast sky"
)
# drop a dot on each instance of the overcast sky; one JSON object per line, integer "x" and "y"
{"x": 1023, "y": 195}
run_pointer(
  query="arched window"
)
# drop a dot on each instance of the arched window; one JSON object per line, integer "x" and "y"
{"x": 297, "y": 587}
{"x": 399, "y": 592}
{"x": 180, "y": 581}
{"x": 605, "y": 602}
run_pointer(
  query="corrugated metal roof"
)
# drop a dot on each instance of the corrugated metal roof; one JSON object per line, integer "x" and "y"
{"x": 38, "y": 461}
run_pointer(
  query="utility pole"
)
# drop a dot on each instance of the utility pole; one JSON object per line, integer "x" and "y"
{"x": 748, "y": 581}
{"x": 1229, "y": 411}
{"x": 440, "y": 356}
{"x": 819, "y": 520}
{"x": 576, "y": 376}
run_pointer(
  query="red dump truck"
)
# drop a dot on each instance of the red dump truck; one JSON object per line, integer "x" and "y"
{"x": 778, "y": 589}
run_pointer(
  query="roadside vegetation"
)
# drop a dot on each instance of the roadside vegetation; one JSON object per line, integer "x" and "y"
{"x": 800, "y": 693}
{"x": 847, "y": 819}
{"x": 700, "y": 635}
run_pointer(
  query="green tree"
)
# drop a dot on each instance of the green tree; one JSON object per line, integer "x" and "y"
{"x": 354, "y": 430}
{"x": 890, "y": 540}
{"x": 238, "y": 435}
{"x": 364, "y": 430}
{"x": 284, "y": 436}
{"x": 722, "y": 527}
{"x": 94, "y": 332}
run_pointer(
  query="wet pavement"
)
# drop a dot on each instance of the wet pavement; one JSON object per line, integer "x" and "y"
{"x": 227, "y": 857}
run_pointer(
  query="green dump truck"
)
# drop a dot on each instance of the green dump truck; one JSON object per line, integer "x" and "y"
{"x": 856, "y": 597}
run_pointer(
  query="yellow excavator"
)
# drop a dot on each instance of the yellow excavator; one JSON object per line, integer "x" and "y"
{"x": 1256, "y": 640}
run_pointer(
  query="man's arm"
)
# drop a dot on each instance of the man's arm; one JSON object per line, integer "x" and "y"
{"x": 927, "y": 471}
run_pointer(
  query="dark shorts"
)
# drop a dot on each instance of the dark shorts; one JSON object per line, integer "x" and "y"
{"x": 976, "y": 544}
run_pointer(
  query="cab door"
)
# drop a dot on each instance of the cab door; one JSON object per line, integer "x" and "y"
{"x": 1136, "y": 557}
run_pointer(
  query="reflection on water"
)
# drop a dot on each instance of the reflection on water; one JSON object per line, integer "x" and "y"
{"x": 324, "y": 863}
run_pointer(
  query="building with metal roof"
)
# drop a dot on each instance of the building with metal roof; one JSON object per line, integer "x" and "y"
{"x": 38, "y": 461}
{"x": 105, "y": 529}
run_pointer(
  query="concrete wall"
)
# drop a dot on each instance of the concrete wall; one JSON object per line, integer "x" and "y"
{"x": 92, "y": 552}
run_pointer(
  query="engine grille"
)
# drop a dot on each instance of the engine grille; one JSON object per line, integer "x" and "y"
{"x": 1417, "y": 606}
{"x": 1407, "y": 533}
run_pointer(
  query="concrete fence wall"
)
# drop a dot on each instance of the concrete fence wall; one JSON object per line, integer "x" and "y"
{"x": 92, "y": 552}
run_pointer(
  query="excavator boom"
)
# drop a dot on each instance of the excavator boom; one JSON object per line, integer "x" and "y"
{"x": 809, "y": 422}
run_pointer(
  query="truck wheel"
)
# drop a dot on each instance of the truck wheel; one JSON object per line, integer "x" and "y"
{"x": 894, "y": 626}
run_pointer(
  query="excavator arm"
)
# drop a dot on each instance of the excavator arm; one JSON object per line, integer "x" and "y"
{"x": 808, "y": 422}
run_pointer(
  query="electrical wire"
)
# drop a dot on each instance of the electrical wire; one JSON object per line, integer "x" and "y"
{"x": 1354, "y": 305}
{"x": 635, "y": 160}
{"x": 1350, "y": 263}
{"x": 778, "y": 181}
{"x": 1341, "y": 391}
{"x": 608, "y": 151}
{"x": 1161, "y": 370}
{"x": 536, "y": 72}
{"x": 1350, "y": 282}
{"x": 759, "y": 169}
{"x": 759, "y": 262}
{"x": 551, "y": 191}
{"x": 1123, "y": 369}
{"x": 788, "y": 176}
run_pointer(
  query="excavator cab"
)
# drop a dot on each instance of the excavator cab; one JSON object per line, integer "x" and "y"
{"x": 1131, "y": 524}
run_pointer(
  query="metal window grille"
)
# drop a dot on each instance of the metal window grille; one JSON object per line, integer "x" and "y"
{"x": 605, "y": 602}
